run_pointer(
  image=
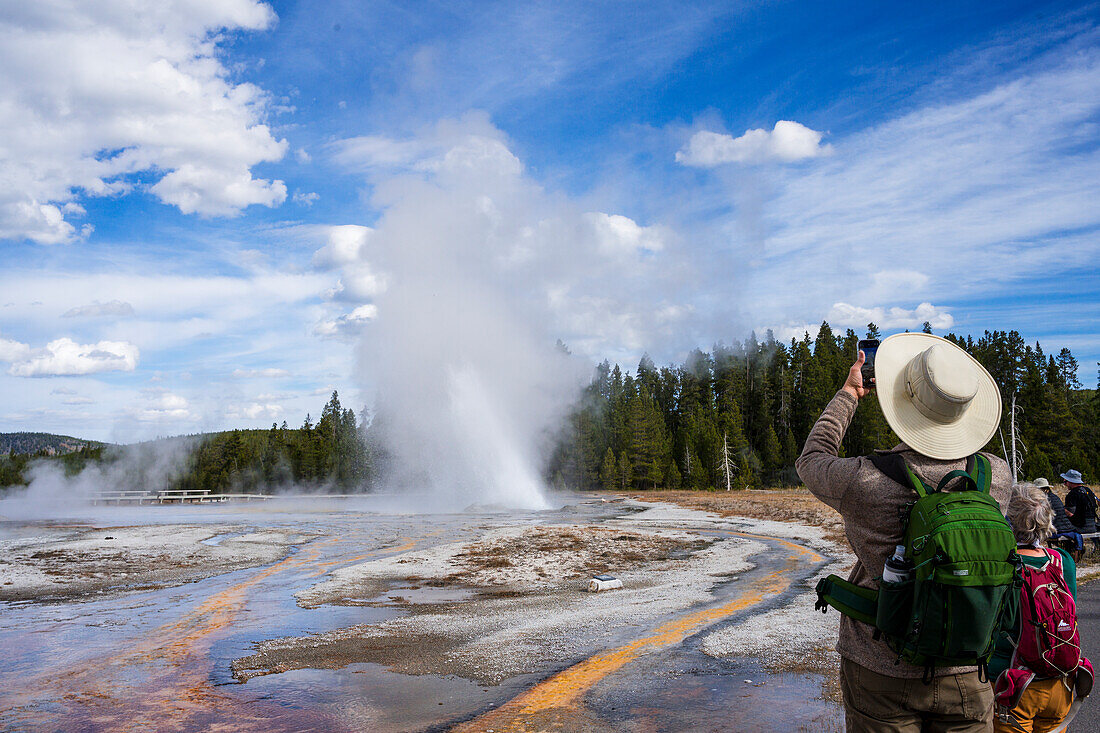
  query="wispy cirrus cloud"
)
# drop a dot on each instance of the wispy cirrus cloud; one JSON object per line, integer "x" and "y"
{"x": 972, "y": 201}
{"x": 97, "y": 309}
{"x": 268, "y": 373}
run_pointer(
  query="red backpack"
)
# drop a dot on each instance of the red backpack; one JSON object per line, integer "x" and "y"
{"x": 1049, "y": 644}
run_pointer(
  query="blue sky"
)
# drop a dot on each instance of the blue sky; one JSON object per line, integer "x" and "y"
{"x": 209, "y": 210}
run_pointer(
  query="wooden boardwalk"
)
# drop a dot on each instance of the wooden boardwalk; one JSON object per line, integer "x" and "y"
{"x": 169, "y": 496}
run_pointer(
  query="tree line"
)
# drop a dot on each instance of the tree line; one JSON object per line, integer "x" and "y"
{"x": 329, "y": 455}
{"x": 736, "y": 416}
{"x": 739, "y": 415}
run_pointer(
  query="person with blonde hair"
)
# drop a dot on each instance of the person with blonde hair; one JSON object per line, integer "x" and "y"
{"x": 1038, "y": 695}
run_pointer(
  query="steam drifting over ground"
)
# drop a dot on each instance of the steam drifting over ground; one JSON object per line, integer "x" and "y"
{"x": 50, "y": 493}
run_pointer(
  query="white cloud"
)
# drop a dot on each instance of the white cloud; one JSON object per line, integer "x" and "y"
{"x": 96, "y": 94}
{"x": 887, "y": 284}
{"x": 617, "y": 234}
{"x": 64, "y": 357}
{"x": 349, "y": 325}
{"x": 97, "y": 309}
{"x": 305, "y": 199}
{"x": 359, "y": 283}
{"x": 345, "y": 250}
{"x": 302, "y": 155}
{"x": 269, "y": 373}
{"x": 485, "y": 155}
{"x": 796, "y": 331}
{"x": 845, "y": 314}
{"x": 212, "y": 191}
{"x": 255, "y": 411}
{"x": 450, "y": 147}
{"x": 342, "y": 247}
{"x": 372, "y": 151}
{"x": 174, "y": 308}
{"x": 273, "y": 397}
{"x": 13, "y": 351}
{"x": 161, "y": 405}
{"x": 787, "y": 142}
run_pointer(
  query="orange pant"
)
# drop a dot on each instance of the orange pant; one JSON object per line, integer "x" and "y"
{"x": 1041, "y": 708}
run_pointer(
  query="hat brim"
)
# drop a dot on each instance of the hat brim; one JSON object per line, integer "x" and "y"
{"x": 942, "y": 441}
{"x": 1070, "y": 480}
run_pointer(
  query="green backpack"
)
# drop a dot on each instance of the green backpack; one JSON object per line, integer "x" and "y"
{"x": 966, "y": 576}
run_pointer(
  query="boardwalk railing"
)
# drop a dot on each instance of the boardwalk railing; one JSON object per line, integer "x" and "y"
{"x": 170, "y": 496}
{"x": 193, "y": 496}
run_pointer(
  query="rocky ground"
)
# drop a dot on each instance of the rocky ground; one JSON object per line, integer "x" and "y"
{"x": 518, "y": 600}
{"x": 62, "y": 562}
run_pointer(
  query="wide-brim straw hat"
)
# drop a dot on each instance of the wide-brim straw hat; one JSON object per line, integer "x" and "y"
{"x": 938, "y": 399}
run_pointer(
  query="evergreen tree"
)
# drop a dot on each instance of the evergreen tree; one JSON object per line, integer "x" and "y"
{"x": 672, "y": 476}
{"x": 624, "y": 474}
{"x": 1067, "y": 370}
{"x": 608, "y": 474}
{"x": 770, "y": 454}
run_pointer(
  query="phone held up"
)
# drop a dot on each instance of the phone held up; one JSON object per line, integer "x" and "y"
{"x": 868, "y": 347}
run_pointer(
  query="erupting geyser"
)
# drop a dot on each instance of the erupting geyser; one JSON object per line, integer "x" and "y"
{"x": 470, "y": 386}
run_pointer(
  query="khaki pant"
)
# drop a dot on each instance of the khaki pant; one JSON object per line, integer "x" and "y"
{"x": 1041, "y": 708}
{"x": 875, "y": 703}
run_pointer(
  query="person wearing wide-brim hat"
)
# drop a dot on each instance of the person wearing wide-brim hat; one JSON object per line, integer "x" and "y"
{"x": 1080, "y": 503}
{"x": 945, "y": 407}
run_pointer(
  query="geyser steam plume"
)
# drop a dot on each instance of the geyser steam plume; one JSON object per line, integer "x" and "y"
{"x": 470, "y": 385}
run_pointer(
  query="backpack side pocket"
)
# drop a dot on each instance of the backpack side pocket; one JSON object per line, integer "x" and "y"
{"x": 895, "y": 607}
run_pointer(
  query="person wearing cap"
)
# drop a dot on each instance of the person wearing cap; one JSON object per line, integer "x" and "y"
{"x": 1063, "y": 528}
{"x": 945, "y": 407}
{"x": 1080, "y": 503}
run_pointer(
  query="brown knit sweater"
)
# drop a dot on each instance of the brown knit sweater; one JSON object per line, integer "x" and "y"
{"x": 869, "y": 503}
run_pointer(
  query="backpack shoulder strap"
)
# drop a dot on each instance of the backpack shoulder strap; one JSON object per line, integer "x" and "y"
{"x": 1056, "y": 559}
{"x": 978, "y": 473}
{"x": 895, "y": 468}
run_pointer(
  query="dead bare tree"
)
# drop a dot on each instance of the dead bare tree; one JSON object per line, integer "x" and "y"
{"x": 1018, "y": 448}
{"x": 728, "y": 465}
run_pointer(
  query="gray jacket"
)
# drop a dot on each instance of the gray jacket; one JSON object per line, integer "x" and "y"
{"x": 870, "y": 505}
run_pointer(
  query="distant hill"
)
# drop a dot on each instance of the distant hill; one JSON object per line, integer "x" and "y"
{"x": 29, "y": 443}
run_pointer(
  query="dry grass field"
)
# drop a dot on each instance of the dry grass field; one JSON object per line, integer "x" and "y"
{"x": 781, "y": 505}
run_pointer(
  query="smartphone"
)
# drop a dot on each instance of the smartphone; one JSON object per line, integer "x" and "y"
{"x": 868, "y": 347}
